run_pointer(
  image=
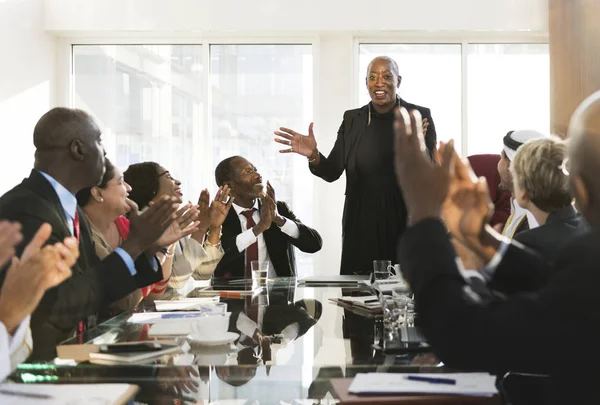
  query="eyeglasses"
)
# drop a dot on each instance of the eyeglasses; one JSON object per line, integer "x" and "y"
{"x": 166, "y": 174}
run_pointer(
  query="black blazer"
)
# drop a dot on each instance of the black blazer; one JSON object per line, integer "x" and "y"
{"x": 561, "y": 227}
{"x": 94, "y": 283}
{"x": 524, "y": 332}
{"x": 279, "y": 245}
{"x": 343, "y": 155}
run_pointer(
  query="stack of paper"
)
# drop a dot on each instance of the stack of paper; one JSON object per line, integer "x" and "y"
{"x": 368, "y": 302}
{"x": 60, "y": 394}
{"x": 479, "y": 384}
{"x": 187, "y": 304}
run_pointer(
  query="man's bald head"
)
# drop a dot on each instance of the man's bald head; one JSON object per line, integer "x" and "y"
{"x": 584, "y": 157}
{"x": 59, "y": 126}
{"x": 69, "y": 148}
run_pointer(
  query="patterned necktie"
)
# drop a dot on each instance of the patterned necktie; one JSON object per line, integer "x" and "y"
{"x": 252, "y": 250}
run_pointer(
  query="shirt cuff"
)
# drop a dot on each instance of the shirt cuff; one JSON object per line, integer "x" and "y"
{"x": 129, "y": 261}
{"x": 290, "y": 228}
{"x": 17, "y": 339}
{"x": 245, "y": 239}
{"x": 490, "y": 269}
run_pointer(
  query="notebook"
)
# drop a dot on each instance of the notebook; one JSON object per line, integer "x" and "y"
{"x": 136, "y": 357}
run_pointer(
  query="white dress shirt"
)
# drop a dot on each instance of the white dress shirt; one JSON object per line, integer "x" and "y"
{"x": 247, "y": 237}
{"x": 14, "y": 349}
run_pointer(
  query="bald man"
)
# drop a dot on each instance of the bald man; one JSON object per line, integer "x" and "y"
{"x": 69, "y": 156}
{"x": 553, "y": 326}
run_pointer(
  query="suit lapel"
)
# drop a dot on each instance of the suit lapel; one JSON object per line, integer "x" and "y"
{"x": 357, "y": 130}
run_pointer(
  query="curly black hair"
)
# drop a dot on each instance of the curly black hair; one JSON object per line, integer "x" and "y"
{"x": 84, "y": 195}
{"x": 143, "y": 179}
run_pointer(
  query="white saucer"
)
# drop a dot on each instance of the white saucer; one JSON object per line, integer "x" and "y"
{"x": 213, "y": 340}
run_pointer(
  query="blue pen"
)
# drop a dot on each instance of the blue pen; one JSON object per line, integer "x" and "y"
{"x": 432, "y": 380}
{"x": 180, "y": 316}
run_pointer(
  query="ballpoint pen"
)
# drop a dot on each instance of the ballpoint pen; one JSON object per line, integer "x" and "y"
{"x": 432, "y": 380}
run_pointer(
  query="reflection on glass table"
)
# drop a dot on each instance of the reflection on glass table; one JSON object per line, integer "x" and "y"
{"x": 285, "y": 351}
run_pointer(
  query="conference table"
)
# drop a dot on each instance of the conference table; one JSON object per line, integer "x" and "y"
{"x": 327, "y": 343}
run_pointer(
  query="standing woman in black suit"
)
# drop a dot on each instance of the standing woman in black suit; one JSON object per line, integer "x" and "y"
{"x": 374, "y": 210}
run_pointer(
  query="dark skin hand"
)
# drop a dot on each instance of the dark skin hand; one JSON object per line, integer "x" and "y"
{"x": 447, "y": 190}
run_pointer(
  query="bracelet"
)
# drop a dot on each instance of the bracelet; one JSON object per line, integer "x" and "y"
{"x": 311, "y": 161}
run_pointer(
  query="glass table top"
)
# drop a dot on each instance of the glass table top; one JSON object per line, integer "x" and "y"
{"x": 326, "y": 341}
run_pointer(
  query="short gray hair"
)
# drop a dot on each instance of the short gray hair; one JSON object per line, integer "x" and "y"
{"x": 391, "y": 61}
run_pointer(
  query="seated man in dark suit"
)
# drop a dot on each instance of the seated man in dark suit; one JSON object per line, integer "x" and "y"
{"x": 258, "y": 227}
{"x": 525, "y": 331}
{"x": 542, "y": 188}
{"x": 69, "y": 157}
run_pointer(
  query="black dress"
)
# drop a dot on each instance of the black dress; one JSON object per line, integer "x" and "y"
{"x": 376, "y": 213}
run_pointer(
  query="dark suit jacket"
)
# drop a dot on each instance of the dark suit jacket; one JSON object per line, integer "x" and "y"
{"x": 94, "y": 283}
{"x": 560, "y": 228}
{"x": 354, "y": 126}
{"x": 529, "y": 332}
{"x": 279, "y": 245}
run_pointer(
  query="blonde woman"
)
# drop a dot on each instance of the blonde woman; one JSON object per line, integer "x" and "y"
{"x": 541, "y": 185}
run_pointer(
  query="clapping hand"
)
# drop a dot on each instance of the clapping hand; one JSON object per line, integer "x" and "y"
{"x": 424, "y": 184}
{"x": 185, "y": 224}
{"x": 220, "y": 207}
{"x": 267, "y": 214}
{"x": 278, "y": 219}
{"x": 10, "y": 236}
{"x": 425, "y": 125}
{"x": 468, "y": 209}
{"x": 39, "y": 269}
{"x": 148, "y": 226}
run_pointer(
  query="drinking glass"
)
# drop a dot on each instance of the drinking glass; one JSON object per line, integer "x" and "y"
{"x": 260, "y": 271}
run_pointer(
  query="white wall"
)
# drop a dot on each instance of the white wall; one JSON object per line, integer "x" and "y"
{"x": 27, "y": 84}
{"x": 294, "y": 15}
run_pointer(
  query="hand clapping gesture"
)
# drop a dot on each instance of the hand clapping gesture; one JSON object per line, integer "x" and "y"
{"x": 39, "y": 269}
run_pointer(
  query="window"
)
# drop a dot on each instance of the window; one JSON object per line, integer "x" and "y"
{"x": 255, "y": 90}
{"x": 508, "y": 89}
{"x": 148, "y": 100}
{"x": 431, "y": 77}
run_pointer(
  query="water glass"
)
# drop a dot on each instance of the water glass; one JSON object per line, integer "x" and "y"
{"x": 260, "y": 272}
{"x": 382, "y": 269}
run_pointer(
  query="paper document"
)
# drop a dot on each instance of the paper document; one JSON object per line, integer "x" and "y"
{"x": 61, "y": 394}
{"x": 156, "y": 317}
{"x": 479, "y": 384}
{"x": 187, "y": 304}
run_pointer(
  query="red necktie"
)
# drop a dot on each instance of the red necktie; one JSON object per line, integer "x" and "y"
{"x": 81, "y": 325}
{"x": 76, "y": 225}
{"x": 252, "y": 250}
